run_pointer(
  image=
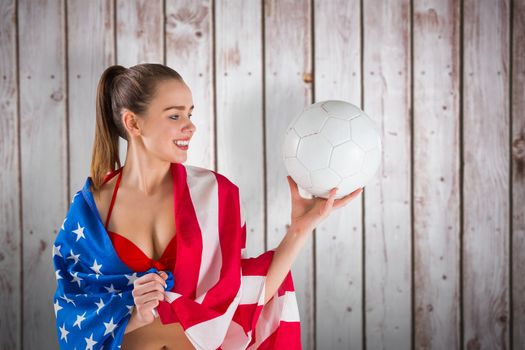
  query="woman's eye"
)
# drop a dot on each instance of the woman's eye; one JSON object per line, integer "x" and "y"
{"x": 174, "y": 117}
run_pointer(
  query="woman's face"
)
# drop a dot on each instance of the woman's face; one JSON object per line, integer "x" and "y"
{"x": 167, "y": 121}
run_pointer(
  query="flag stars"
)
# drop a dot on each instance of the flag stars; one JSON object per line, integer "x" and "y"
{"x": 130, "y": 309}
{"x": 73, "y": 257}
{"x": 56, "y": 250}
{"x": 68, "y": 300}
{"x": 79, "y": 320}
{"x": 131, "y": 278}
{"x": 96, "y": 267}
{"x": 111, "y": 289}
{"x": 79, "y": 232}
{"x": 90, "y": 342}
{"x": 110, "y": 327}
{"x": 63, "y": 222}
{"x": 63, "y": 332}
{"x": 76, "y": 278}
{"x": 57, "y": 275}
{"x": 57, "y": 307}
{"x": 100, "y": 305}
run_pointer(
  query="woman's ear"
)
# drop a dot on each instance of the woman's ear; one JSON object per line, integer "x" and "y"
{"x": 131, "y": 122}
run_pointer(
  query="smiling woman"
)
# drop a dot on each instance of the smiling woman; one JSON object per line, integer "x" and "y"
{"x": 164, "y": 266}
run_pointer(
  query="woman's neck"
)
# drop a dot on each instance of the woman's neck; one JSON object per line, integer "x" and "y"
{"x": 144, "y": 173}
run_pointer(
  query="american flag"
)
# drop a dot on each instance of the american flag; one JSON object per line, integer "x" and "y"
{"x": 215, "y": 291}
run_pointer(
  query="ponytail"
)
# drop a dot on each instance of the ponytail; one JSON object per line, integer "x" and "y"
{"x": 106, "y": 144}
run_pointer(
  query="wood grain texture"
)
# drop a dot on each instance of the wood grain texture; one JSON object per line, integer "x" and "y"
{"x": 388, "y": 265}
{"x": 10, "y": 206}
{"x": 140, "y": 31}
{"x": 240, "y": 155}
{"x": 338, "y": 239}
{"x": 518, "y": 173}
{"x": 436, "y": 67}
{"x": 88, "y": 57}
{"x": 189, "y": 50}
{"x": 140, "y": 38}
{"x": 249, "y": 79}
{"x": 43, "y": 159}
{"x": 288, "y": 89}
{"x": 486, "y": 175}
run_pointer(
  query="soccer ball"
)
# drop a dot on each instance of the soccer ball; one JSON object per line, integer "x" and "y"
{"x": 332, "y": 144}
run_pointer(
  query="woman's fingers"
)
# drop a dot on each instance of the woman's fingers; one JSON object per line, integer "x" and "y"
{"x": 329, "y": 202}
{"x": 343, "y": 201}
{"x": 149, "y": 277}
{"x": 154, "y": 295}
{"x": 147, "y": 287}
{"x": 293, "y": 187}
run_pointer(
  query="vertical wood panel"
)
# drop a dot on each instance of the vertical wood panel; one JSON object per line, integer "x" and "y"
{"x": 10, "y": 226}
{"x": 88, "y": 57}
{"x": 436, "y": 174}
{"x": 288, "y": 89}
{"x": 339, "y": 246}
{"x": 189, "y": 50}
{"x": 386, "y": 75}
{"x": 240, "y": 155}
{"x": 518, "y": 173}
{"x": 140, "y": 32}
{"x": 44, "y": 163}
{"x": 486, "y": 175}
{"x": 140, "y": 38}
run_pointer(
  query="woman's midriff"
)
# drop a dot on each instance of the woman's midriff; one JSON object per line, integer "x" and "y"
{"x": 157, "y": 336}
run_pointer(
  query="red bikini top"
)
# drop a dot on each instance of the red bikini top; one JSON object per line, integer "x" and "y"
{"x": 130, "y": 253}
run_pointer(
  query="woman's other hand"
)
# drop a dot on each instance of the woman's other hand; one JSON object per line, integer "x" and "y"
{"x": 308, "y": 213}
{"x": 148, "y": 291}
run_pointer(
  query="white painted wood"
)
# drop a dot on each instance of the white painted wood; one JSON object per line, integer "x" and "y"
{"x": 263, "y": 79}
{"x": 10, "y": 206}
{"x": 436, "y": 175}
{"x": 189, "y": 50}
{"x": 140, "y": 30}
{"x": 518, "y": 174}
{"x": 288, "y": 89}
{"x": 388, "y": 264}
{"x": 339, "y": 245}
{"x": 43, "y": 159}
{"x": 486, "y": 175}
{"x": 240, "y": 152}
{"x": 88, "y": 57}
{"x": 140, "y": 38}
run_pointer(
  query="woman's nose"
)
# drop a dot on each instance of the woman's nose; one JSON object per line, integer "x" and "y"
{"x": 191, "y": 127}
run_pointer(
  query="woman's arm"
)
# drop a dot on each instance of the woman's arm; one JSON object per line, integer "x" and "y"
{"x": 306, "y": 215}
{"x": 283, "y": 259}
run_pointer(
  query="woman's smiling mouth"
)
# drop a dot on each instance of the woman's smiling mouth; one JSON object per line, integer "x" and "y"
{"x": 182, "y": 144}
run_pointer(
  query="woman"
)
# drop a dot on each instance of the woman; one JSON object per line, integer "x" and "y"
{"x": 169, "y": 270}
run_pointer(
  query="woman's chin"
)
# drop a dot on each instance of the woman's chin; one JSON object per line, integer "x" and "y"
{"x": 180, "y": 158}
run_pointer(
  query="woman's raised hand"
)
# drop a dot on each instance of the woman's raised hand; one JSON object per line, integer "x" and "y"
{"x": 148, "y": 291}
{"x": 308, "y": 213}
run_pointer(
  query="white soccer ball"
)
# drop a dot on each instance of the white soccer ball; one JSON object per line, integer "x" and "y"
{"x": 332, "y": 144}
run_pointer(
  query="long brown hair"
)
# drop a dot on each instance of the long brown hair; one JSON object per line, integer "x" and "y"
{"x": 118, "y": 88}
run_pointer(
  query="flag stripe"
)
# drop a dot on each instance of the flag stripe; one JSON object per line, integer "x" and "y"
{"x": 203, "y": 193}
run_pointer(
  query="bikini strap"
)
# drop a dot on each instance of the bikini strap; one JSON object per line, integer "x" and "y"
{"x": 113, "y": 197}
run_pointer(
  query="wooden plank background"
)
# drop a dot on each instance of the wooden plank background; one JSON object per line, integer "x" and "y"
{"x": 436, "y": 140}
{"x": 431, "y": 255}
